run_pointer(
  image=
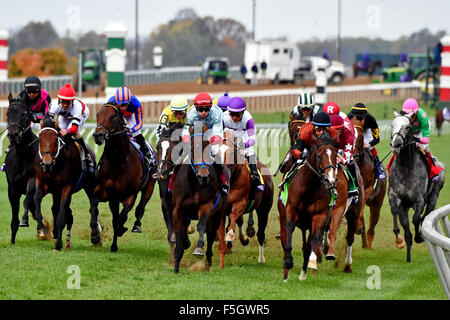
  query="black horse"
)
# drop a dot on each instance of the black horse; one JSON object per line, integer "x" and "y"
{"x": 19, "y": 165}
{"x": 409, "y": 183}
{"x": 59, "y": 171}
{"x": 197, "y": 196}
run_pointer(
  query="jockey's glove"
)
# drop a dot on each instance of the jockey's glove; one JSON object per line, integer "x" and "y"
{"x": 296, "y": 153}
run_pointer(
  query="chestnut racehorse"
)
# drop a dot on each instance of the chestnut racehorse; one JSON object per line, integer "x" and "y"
{"x": 374, "y": 189}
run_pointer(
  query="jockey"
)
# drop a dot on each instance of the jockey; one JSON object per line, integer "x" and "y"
{"x": 211, "y": 116}
{"x": 241, "y": 122}
{"x": 303, "y": 109}
{"x": 333, "y": 109}
{"x": 175, "y": 112}
{"x": 35, "y": 98}
{"x": 345, "y": 149}
{"x": 73, "y": 113}
{"x": 131, "y": 108}
{"x": 421, "y": 130}
{"x": 371, "y": 134}
{"x": 223, "y": 102}
{"x": 320, "y": 124}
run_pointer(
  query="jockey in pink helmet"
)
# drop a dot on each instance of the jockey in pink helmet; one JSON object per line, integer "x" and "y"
{"x": 421, "y": 130}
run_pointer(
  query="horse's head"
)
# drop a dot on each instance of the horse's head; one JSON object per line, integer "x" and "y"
{"x": 324, "y": 158}
{"x": 167, "y": 154}
{"x": 200, "y": 155}
{"x": 109, "y": 122}
{"x": 401, "y": 131}
{"x": 294, "y": 127}
{"x": 232, "y": 150}
{"x": 50, "y": 143}
{"x": 18, "y": 120}
{"x": 358, "y": 124}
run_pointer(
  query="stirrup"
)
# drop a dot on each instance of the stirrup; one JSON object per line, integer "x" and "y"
{"x": 3, "y": 167}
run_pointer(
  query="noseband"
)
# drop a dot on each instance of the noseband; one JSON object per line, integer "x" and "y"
{"x": 406, "y": 139}
{"x": 108, "y": 132}
{"x": 320, "y": 172}
{"x": 51, "y": 153}
{"x": 203, "y": 164}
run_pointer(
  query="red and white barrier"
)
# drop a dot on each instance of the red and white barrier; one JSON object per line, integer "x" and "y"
{"x": 444, "y": 91}
{"x": 4, "y": 35}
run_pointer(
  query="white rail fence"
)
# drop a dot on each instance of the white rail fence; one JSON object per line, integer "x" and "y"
{"x": 438, "y": 243}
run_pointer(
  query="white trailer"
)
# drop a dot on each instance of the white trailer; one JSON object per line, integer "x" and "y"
{"x": 282, "y": 59}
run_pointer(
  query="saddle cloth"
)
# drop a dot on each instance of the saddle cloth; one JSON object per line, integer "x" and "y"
{"x": 446, "y": 113}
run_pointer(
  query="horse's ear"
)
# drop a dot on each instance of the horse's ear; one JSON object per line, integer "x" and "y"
{"x": 10, "y": 97}
{"x": 396, "y": 114}
{"x": 315, "y": 139}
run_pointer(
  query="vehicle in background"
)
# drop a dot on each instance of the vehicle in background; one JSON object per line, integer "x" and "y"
{"x": 414, "y": 70}
{"x": 274, "y": 61}
{"x": 93, "y": 72}
{"x": 335, "y": 70}
{"x": 214, "y": 70}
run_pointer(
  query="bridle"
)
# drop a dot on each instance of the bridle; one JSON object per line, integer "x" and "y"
{"x": 238, "y": 159}
{"x": 203, "y": 164}
{"x": 320, "y": 171}
{"x": 407, "y": 139}
{"x": 169, "y": 164}
{"x": 53, "y": 154}
{"x": 360, "y": 149}
{"x": 108, "y": 131}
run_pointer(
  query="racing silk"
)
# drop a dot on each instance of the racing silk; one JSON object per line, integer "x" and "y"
{"x": 421, "y": 124}
{"x": 73, "y": 118}
{"x": 39, "y": 106}
{"x": 370, "y": 125}
{"x": 213, "y": 121}
{"x": 133, "y": 111}
{"x": 306, "y": 132}
{"x": 167, "y": 119}
{"x": 296, "y": 114}
{"x": 347, "y": 142}
{"x": 244, "y": 129}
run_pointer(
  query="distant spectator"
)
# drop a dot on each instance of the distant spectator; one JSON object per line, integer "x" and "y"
{"x": 437, "y": 54}
{"x": 243, "y": 72}
{"x": 255, "y": 73}
{"x": 403, "y": 60}
{"x": 325, "y": 54}
{"x": 263, "y": 71}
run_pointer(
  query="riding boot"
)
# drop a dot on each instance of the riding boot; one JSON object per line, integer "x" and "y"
{"x": 379, "y": 169}
{"x": 224, "y": 176}
{"x": 434, "y": 168}
{"x": 144, "y": 148}
{"x": 3, "y": 167}
{"x": 355, "y": 193}
{"x": 87, "y": 156}
{"x": 254, "y": 175}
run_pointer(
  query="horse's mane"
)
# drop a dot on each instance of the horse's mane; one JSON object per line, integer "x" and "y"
{"x": 48, "y": 121}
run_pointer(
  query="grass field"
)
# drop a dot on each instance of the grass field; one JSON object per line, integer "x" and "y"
{"x": 139, "y": 270}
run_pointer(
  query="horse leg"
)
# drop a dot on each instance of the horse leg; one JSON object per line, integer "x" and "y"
{"x": 96, "y": 228}
{"x": 395, "y": 209}
{"x": 289, "y": 225}
{"x": 417, "y": 220}
{"x": 243, "y": 238}
{"x": 60, "y": 222}
{"x": 352, "y": 220}
{"x": 336, "y": 217}
{"x": 263, "y": 216}
{"x": 374, "y": 217}
{"x": 114, "y": 207}
{"x": 41, "y": 229}
{"x": 178, "y": 225}
{"x": 306, "y": 257}
{"x": 146, "y": 194}
{"x": 123, "y": 216}
{"x": 404, "y": 221}
{"x": 166, "y": 206}
{"x": 201, "y": 228}
{"x": 28, "y": 203}
{"x": 317, "y": 227}
{"x": 236, "y": 212}
{"x": 250, "y": 223}
{"x": 361, "y": 226}
{"x": 55, "y": 210}
{"x": 69, "y": 223}
{"x": 221, "y": 236}
{"x": 14, "y": 199}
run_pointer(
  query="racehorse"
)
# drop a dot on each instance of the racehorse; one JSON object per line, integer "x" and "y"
{"x": 243, "y": 197}
{"x": 59, "y": 171}
{"x": 440, "y": 120}
{"x": 374, "y": 189}
{"x": 20, "y": 165}
{"x": 197, "y": 195}
{"x": 309, "y": 205}
{"x": 168, "y": 140}
{"x": 370, "y": 69}
{"x": 122, "y": 173}
{"x": 409, "y": 182}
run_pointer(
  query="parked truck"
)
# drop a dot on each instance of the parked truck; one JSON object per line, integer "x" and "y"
{"x": 275, "y": 61}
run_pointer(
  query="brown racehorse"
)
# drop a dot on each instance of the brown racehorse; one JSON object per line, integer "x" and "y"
{"x": 439, "y": 120}
{"x": 121, "y": 174}
{"x": 58, "y": 170}
{"x": 197, "y": 195}
{"x": 240, "y": 199}
{"x": 374, "y": 190}
{"x": 370, "y": 69}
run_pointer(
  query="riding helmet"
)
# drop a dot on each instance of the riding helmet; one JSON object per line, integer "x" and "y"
{"x": 305, "y": 100}
{"x": 410, "y": 105}
{"x": 236, "y": 104}
{"x": 32, "y": 81}
{"x": 331, "y": 108}
{"x": 66, "y": 92}
{"x": 337, "y": 121}
{"x": 122, "y": 95}
{"x": 203, "y": 99}
{"x": 179, "y": 103}
{"x": 223, "y": 101}
{"x": 359, "y": 108}
{"x": 321, "y": 119}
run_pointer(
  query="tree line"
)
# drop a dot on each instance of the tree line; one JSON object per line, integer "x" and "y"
{"x": 186, "y": 40}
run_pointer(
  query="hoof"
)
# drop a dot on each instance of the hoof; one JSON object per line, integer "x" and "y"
{"x": 330, "y": 257}
{"x": 302, "y": 276}
{"x": 278, "y": 236}
{"x": 250, "y": 231}
{"x": 24, "y": 224}
{"x": 348, "y": 269}
{"x": 399, "y": 242}
{"x": 312, "y": 265}
{"x": 67, "y": 246}
{"x": 42, "y": 234}
{"x": 244, "y": 241}
{"x": 56, "y": 250}
{"x": 198, "y": 252}
{"x": 190, "y": 229}
{"x": 136, "y": 229}
{"x": 114, "y": 248}
{"x": 288, "y": 263}
{"x": 230, "y": 236}
{"x": 96, "y": 240}
{"x": 418, "y": 238}
{"x": 121, "y": 231}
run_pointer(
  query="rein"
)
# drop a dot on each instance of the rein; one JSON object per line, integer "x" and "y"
{"x": 203, "y": 164}
{"x": 61, "y": 144}
{"x": 109, "y": 133}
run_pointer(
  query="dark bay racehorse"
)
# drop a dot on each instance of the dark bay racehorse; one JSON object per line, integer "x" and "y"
{"x": 374, "y": 190}
{"x": 439, "y": 120}
{"x": 372, "y": 66}
{"x": 308, "y": 205}
{"x": 20, "y": 165}
{"x": 197, "y": 196}
{"x": 59, "y": 171}
{"x": 122, "y": 173}
{"x": 409, "y": 182}
{"x": 243, "y": 197}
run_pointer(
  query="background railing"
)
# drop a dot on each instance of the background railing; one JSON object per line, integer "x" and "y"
{"x": 438, "y": 243}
